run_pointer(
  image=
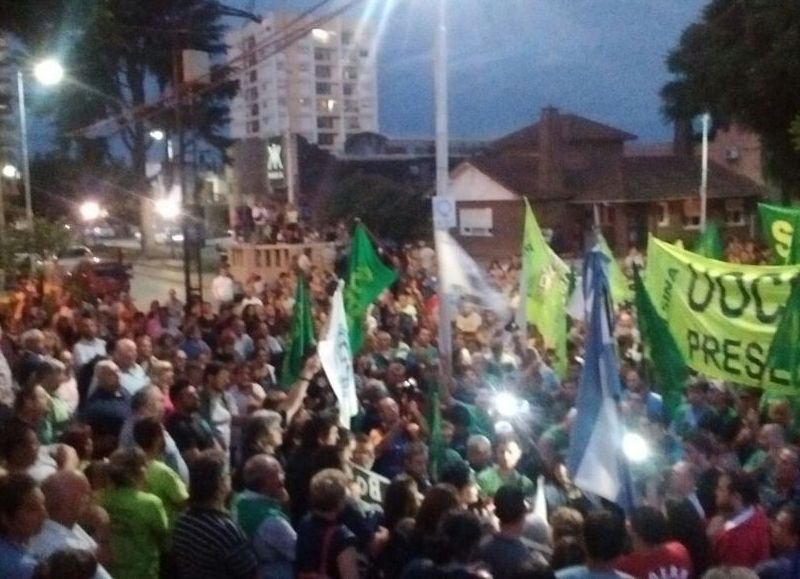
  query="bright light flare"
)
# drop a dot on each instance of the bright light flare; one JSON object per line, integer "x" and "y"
{"x": 10, "y": 171}
{"x": 168, "y": 208}
{"x": 635, "y": 447}
{"x": 321, "y": 35}
{"x": 507, "y": 404}
{"x": 90, "y": 210}
{"x": 157, "y": 135}
{"x": 49, "y": 72}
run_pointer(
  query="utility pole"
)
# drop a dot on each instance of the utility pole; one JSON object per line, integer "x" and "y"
{"x": 706, "y": 119}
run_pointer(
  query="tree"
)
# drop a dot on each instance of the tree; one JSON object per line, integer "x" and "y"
{"x": 739, "y": 62}
{"x": 393, "y": 210}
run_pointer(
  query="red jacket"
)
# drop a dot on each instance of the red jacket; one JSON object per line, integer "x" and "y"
{"x": 744, "y": 541}
{"x": 668, "y": 561}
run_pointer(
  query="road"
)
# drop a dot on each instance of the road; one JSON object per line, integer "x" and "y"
{"x": 152, "y": 281}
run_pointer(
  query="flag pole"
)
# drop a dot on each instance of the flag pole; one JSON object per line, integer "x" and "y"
{"x": 706, "y": 120}
{"x": 442, "y": 179}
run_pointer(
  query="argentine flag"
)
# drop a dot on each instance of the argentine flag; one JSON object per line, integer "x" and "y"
{"x": 596, "y": 461}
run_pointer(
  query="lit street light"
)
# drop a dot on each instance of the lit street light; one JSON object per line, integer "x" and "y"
{"x": 10, "y": 172}
{"x": 49, "y": 72}
{"x": 90, "y": 211}
{"x": 157, "y": 135}
{"x": 168, "y": 208}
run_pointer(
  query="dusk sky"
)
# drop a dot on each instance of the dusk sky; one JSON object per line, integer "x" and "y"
{"x": 603, "y": 59}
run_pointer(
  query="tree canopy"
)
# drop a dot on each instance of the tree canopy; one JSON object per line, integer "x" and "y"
{"x": 740, "y": 63}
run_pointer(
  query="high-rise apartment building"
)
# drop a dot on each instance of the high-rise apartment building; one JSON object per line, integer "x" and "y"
{"x": 322, "y": 87}
{"x": 9, "y": 126}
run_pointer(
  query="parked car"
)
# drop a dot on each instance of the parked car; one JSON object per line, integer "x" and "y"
{"x": 102, "y": 278}
{"x": 73, "y": 256}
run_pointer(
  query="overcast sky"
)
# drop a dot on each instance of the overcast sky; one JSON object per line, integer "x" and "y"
{"x": 603, "y": 59}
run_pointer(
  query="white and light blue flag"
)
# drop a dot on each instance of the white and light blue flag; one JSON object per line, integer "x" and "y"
{"x": 596, "y": 460}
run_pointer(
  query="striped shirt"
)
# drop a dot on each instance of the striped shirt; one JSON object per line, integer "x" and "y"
{"x": 207, "y": 544}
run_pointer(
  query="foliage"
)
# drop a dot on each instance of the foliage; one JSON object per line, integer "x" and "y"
{"x": 396, "y": 211}
{"x": 740, "y": 63}
{"x": 46, "y": 238}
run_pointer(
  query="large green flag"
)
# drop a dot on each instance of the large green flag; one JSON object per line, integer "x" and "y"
{"x": 302, "y": 335}
{"x": 437, "y": 444}
{"x": 793, "y": 257}
{"x": 777, "y": 227}
{"x": 543, "y": 285}
{"x": 619, "y": 283}
{"x": 784, "y": 351}
{"x": 709, "y": 244}
{"x": 723, "y": 316}
{"x": 669, "y": 368}
{"x": 367, "y": 277}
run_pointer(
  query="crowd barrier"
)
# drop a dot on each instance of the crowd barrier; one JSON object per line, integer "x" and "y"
{"x": 270, "y": 260}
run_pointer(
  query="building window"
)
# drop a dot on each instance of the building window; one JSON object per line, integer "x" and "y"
{"x": 326, "y": 105}
{"x": 323, "y": 88}
{"x": 734, "y": 212}
{"x": 347, "y": 37}
{"x": 350, "y": 106}
{"x": 353, "y": 124}
{"x": 304, "y": 102}
{"x": 475, "y": 222}
{"x": 364, "y": 53}
{"x": 249, "y": 43}
{"x": 322, "y": 71}
{"x": 251, "y": 94}
{"x": 304, "y": 67}
{"x": 349, "y": 89}
{"x": 350, "y": 73}
{"x": 662, "y": 215}
{"x": 254, "y": 76}
{"x": 325, "y": 122}
{"x": 254, "y": 110}
{"x": 326, "y": 139}
{"x": 282, "y": 103}
{"x": 322, "y": 54}
{"x": 253, "y": 127}
{"x": 691, "y": 214}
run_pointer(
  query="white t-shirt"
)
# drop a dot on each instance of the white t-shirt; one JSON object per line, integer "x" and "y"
{"x": 222, "y": 289}
{"x": 56, "y": 537}
{"x": 86, "y": 350}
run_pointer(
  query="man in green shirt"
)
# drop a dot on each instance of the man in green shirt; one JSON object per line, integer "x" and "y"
{"x": 507, "y": 455}
{"x": 160, "y": 479}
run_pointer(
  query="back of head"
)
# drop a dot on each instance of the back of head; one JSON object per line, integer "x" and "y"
{"x": 14, "y": 489}
{"x": 509, "y": 505}
{"x": 126, "y": 466}
{"x": 69, "y": 564}
{"x": 459, "y": 532}
{"x": 568, "y": 551}
{"x": 650, "y": 525}
{"x": 438, "y": 500}
{"x": 533, "y": 570}
{"x": 743, "y": 484}
{"x": 206, "y": 475}
{"x": 147, "y": 432}
{"x": 257, "y": 469}
{"x": 730, "y": 573}
{"x": 603, "y": 535}
{"x": 566, "y": 522}
{"x": 328, "y": 490}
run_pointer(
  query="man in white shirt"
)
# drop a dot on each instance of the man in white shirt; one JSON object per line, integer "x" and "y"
{"x": 89, "y": 346}
{"x": 68, "y": 496}
{"x": 131, "y": 375}
{"x": 243, "y": 343}
{"x": 222, "y": 287}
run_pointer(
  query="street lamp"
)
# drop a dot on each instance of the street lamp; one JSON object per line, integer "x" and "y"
{"x": 49, "y": 73}
{"x": 157, "y": 135}
{"x": 168, "y": 208}
{"x": 90, "y": 211}
{"x": 10, "y": 171}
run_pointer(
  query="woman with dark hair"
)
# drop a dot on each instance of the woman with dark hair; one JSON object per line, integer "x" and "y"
{"x": 439, "y": 499}
{"x": 686, "y": 527}
{"x": 400, "y": 505}
{"x": 22, "y": 514}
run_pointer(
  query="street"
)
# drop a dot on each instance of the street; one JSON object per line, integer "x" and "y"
{"x": 152, "y": 280}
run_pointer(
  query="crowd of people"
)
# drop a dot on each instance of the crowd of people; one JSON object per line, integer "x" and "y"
{"x": 165, "y": 443}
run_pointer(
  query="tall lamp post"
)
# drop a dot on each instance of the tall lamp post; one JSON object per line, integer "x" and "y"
{"x": 48, "y": 72}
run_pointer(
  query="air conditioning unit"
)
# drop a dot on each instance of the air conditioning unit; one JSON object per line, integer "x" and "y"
{"x": 732, "y": 154}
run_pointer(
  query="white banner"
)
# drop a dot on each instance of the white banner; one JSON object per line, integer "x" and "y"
{"x": 337, "y": 359}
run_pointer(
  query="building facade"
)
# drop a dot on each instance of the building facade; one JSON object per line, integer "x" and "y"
{"x": 578, "y": 173}
{"x": 9, "y": 112}
{"x": 322, "y": 86}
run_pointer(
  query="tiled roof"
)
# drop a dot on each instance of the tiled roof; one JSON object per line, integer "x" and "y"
{"x": 573, "y": 129}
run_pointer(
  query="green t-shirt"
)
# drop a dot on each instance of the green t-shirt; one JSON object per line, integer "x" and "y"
{"x": 165, "y": 483}
{"x": 490, "y": 480}
{"x": 139, "y": 529}
{"x": 58, "y": 418}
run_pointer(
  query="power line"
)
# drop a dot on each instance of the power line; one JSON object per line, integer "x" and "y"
{"x": 276, "y": 43}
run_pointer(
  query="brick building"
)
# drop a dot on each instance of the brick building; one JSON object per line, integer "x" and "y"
{"x": 575, "y": 172}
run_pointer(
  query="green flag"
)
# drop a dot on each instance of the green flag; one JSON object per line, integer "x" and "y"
{"x": 367, "y": 277}
{"x": 709, "y": 244}
{"x": 543, "y": 287}
{"x": 777, "y": 227}
{"x": 437, "y": 445}
{"x": 793, "y": 257}
{"x": 784, "y": 351}
{"x": 619, "y": 283}
{"x": 302, "y": 335}
{"x": 669, "y": 368}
